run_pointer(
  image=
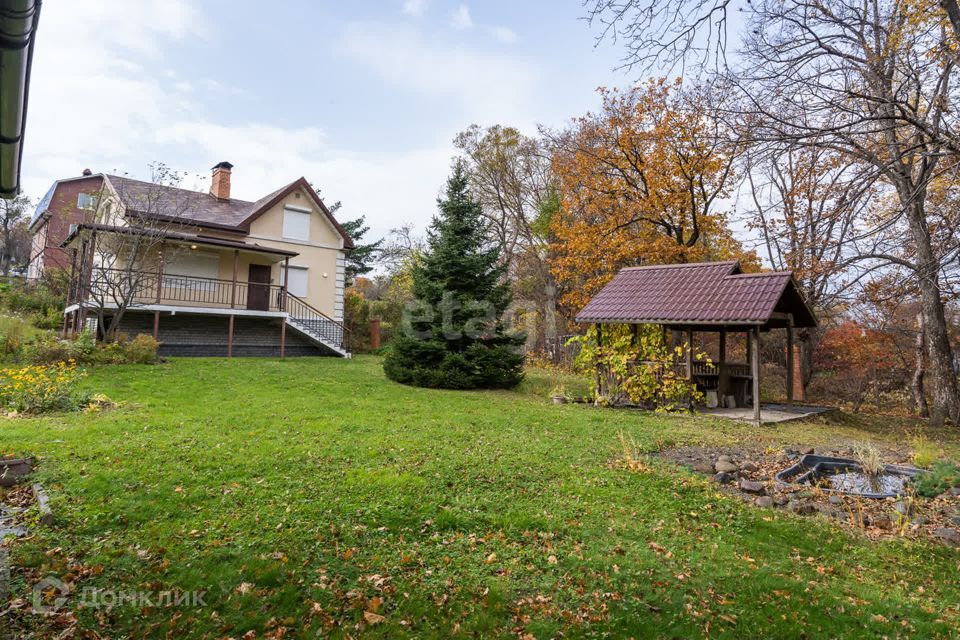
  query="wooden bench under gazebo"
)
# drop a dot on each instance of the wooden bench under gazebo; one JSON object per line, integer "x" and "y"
{"x": 712, "y": 297}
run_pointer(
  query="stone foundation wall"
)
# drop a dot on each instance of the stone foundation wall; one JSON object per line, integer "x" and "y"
{"x": 195, "y": 335}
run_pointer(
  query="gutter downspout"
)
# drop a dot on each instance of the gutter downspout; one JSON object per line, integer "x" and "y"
{"x": 18, "y": 28}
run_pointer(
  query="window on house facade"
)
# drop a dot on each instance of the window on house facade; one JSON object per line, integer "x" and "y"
{"x": 86, "y": 201}
{"x": 194, "y": 270}
{"x": 298, "y": 281}
{"x": 296, "y": 224}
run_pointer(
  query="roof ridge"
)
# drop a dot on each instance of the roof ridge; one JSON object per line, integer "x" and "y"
{"x": 173, "y": 188}
{"x": 759, "y": 274}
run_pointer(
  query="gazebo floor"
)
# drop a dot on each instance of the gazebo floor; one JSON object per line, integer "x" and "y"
{"x": 769, "y": 413}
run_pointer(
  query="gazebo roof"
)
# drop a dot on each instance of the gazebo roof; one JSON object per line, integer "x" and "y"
{"x": 702, "y": 294}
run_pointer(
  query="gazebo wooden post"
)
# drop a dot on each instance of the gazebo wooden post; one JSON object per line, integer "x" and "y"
{"x": 722, "y": 366}
{"x": 789, "y": 359}
{"x": 755, "y": 372}
{"x": 689, "y": 353}
{"x": 599, "y": 378}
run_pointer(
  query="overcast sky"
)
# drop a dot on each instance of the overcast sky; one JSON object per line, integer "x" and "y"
{"x": 362, "y": 98}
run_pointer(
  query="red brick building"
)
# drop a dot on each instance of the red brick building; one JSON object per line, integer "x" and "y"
{"x": 70, "y": 201}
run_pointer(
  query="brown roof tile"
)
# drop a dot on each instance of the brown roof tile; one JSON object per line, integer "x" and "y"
{"x": 196, "y": 207}
{"x": 711, "y": 293}
{"x": 163, "y": 201}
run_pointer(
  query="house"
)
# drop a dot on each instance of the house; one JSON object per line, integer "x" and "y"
{"x": 204, "y": 273}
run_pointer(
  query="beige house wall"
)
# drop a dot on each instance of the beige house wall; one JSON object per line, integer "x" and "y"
{"x": 322, "y": 254}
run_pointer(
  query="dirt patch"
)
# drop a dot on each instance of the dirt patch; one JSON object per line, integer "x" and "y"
{"x": 748, "y": 473}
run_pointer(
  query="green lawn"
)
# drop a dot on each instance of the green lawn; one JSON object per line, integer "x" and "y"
{"x": 302, "y": 494}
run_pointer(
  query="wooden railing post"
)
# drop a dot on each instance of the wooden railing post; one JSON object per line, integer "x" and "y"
{"x": 156, "y": 313}
{"x": 160, "y": 275}
{"x": 286, "y": 284}
{"x": 233, "y": 283}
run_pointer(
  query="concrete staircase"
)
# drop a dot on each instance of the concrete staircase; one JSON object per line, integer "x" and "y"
{"x": 323, "y": 332}
{"x": 318, "y": 327}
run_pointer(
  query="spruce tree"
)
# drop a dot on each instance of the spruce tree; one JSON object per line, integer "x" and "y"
{"x": 455, "y": 338}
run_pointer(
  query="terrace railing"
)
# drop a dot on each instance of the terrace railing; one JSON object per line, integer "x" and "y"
{"x": 113, "y": 287}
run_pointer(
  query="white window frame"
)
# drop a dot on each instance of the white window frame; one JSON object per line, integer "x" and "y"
{"x": 296, "y": 224}
{"x": 300, "y": 293}
{"x": 86, "y": 201}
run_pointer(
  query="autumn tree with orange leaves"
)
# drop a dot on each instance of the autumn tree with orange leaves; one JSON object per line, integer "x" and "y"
{"x": 641, "y": 183}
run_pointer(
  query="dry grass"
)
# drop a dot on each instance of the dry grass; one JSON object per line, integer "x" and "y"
{"x": 631, "y": 457}
{"x": 869, "y": 459}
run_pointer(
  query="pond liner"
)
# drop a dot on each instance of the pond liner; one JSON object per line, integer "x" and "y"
{"x": 811, "y": 467}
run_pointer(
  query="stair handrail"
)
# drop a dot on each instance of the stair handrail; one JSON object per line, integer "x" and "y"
{"x": 299, "y": 309}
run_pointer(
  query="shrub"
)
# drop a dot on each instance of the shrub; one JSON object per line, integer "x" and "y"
{"x": 428, "y": 363}
{"x": 925, "y": 452}
{"x": 41, "y": 388}
{"x": 12, "y": 340}
{"x": 47, "y": 348}
{"x": 42, "y": 299}
{"x": 942, "y": 476}
{"x": 49, "y": 319}
{"x": 141, "y": 350}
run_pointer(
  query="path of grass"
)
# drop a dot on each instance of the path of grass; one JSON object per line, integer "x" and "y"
{"x": 306, "y": 493}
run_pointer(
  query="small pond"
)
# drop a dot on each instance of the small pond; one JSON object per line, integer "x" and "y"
{"x": 844, "y": 475}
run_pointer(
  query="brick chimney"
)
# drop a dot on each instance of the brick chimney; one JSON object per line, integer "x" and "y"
{"x": 220, "y": 182}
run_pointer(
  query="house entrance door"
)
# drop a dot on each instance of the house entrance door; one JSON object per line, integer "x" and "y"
{"x": 258, "y": 287}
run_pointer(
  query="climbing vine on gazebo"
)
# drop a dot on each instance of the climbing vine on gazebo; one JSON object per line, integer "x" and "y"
{"x": 634, "y": 365}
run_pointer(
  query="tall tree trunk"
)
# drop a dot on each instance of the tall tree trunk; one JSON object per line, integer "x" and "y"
{"x": 945, "y": 400}
{"x": 953, "y": 13}
{"x": 919, "y": 395}
{"x": 550, "y": 309}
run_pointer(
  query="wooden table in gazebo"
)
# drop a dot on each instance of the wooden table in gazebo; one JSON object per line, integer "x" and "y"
{"x": 709, "y": 297}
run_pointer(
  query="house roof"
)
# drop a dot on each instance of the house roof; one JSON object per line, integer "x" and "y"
{"x": 161, "y": 202}
{"x": 179, "y": 237}
{"x": 711, "y": 293}
{"x": 172, "y": 203}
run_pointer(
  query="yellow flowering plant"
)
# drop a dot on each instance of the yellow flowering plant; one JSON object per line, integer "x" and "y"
{"x": 42, "y": 388}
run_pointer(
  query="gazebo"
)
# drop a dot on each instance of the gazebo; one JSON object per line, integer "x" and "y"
{"x": 708, "y": 297}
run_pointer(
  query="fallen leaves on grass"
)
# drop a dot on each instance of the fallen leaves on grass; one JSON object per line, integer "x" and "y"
{"x": 373, "y": 618}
